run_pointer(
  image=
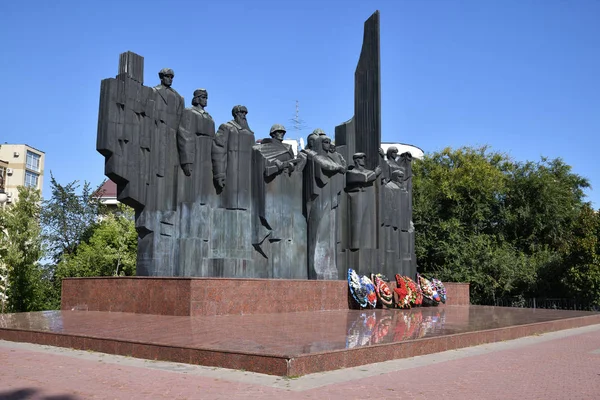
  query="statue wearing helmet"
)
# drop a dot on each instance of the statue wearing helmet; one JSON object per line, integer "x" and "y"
{"x": 279, "y": 155}
{"x": 278, "y": 205}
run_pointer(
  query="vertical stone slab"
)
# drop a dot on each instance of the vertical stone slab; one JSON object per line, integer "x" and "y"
{"x": 122, "y": 118}
{"x": 362, "y": 133}
{"x": 194, "y": 242}
{"x": 231, "y": 234}
{"x": 367, "y": 94}
{"x": 131, "y": 65}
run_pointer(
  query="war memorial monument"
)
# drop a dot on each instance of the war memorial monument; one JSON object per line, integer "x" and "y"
{"x": 244, "y": 245}
{"x": 212, "y": 202}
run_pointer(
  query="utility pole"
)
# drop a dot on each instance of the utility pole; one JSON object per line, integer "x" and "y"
{"x": 298, "y": 126}
{"x": 298, "y": 123}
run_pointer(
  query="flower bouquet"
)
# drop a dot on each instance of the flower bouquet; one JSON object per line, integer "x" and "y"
{"x": 430, "y": 295}
{"x": 440, "y": 288}
{"x": 357, "y": 291}
{"x": 369, "y": 288}
{"x": 404, "y": 293}
{"x": 384, "y": 294}
{"x": 416, "y": 294}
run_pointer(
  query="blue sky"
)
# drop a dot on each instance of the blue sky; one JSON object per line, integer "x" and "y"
{"x": 519, "y": 75}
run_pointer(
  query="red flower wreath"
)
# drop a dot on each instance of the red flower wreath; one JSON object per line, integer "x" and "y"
{"x": 403, "y": 292}
{"x": 417, "y": 297}
{"x": 384, "y": 294}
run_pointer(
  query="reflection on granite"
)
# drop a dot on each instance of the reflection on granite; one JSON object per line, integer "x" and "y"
{"x": 290, "y": 344}
{"x": 369, "y": 328}
{"x": 281, "y": 335}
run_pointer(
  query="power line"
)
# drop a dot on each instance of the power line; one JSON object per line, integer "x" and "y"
{"x": 298, "y": 123}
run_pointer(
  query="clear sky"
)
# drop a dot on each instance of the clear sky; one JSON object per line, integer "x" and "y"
{"x": 520, "y": 75}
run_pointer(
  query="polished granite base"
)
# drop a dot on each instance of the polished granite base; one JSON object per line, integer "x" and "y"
{"x": 216, "y": 296}
{"x": 287, "y": 344}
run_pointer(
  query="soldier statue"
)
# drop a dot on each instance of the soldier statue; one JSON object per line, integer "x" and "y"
{"x": 362, "y": 199}
{"x": 231, "y": 158}
{"x": 279, "y": 224}
{"x": 194, "y": 142}
{"x": 324, "y": 177}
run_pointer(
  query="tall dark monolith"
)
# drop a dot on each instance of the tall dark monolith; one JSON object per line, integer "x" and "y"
{"x": 362, "y": 134}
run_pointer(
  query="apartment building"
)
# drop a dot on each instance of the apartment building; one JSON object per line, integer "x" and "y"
{"x": 21, "y": 165}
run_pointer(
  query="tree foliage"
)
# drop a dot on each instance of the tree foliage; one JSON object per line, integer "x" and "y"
{"x": 542, "y": 203}
{"x": 582, "y": 260}
{"x": 82, "y": 239}
{"x": 508, "y": 228}
{"x": 69, "y": 217}
{"x": 21, "y": 250}
{"x": 110, "y": 249}
{"x": 98, "y": 243}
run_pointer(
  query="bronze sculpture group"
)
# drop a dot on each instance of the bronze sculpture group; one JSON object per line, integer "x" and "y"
{"x": 215, "y": 202}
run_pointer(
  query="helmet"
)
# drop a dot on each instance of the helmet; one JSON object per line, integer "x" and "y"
{"x": 277, "y": 127}
{"x": 318, "y": 131}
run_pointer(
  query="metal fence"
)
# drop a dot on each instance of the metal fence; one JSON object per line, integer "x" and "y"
{"x": 545, "y": 303}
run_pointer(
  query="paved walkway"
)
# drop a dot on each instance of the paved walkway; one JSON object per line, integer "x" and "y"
{"x": 560, "y": 365}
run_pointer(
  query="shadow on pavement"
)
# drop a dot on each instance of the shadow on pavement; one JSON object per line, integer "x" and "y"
{"x": 28, "y": 393}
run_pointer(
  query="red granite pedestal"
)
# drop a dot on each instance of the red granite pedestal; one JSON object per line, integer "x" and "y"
{"x": 286, "y": 328}
{"x": 215, "y": 296}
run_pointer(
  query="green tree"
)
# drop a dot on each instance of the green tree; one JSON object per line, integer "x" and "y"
{"x": 582, "y": 276}
{"x": 69, "y": 217}
{"x": 21, "y": 250}
{"x": 457, "y": 194}
{"x": 503, "y": 226}
{"x": 110, "y": 250}
{"x": 543, "y": 202}
{"x": 466, "y": 184}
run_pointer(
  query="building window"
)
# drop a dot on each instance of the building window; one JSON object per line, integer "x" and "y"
{"x": 33, "y": 161}
{"x": 31, "y": 179}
